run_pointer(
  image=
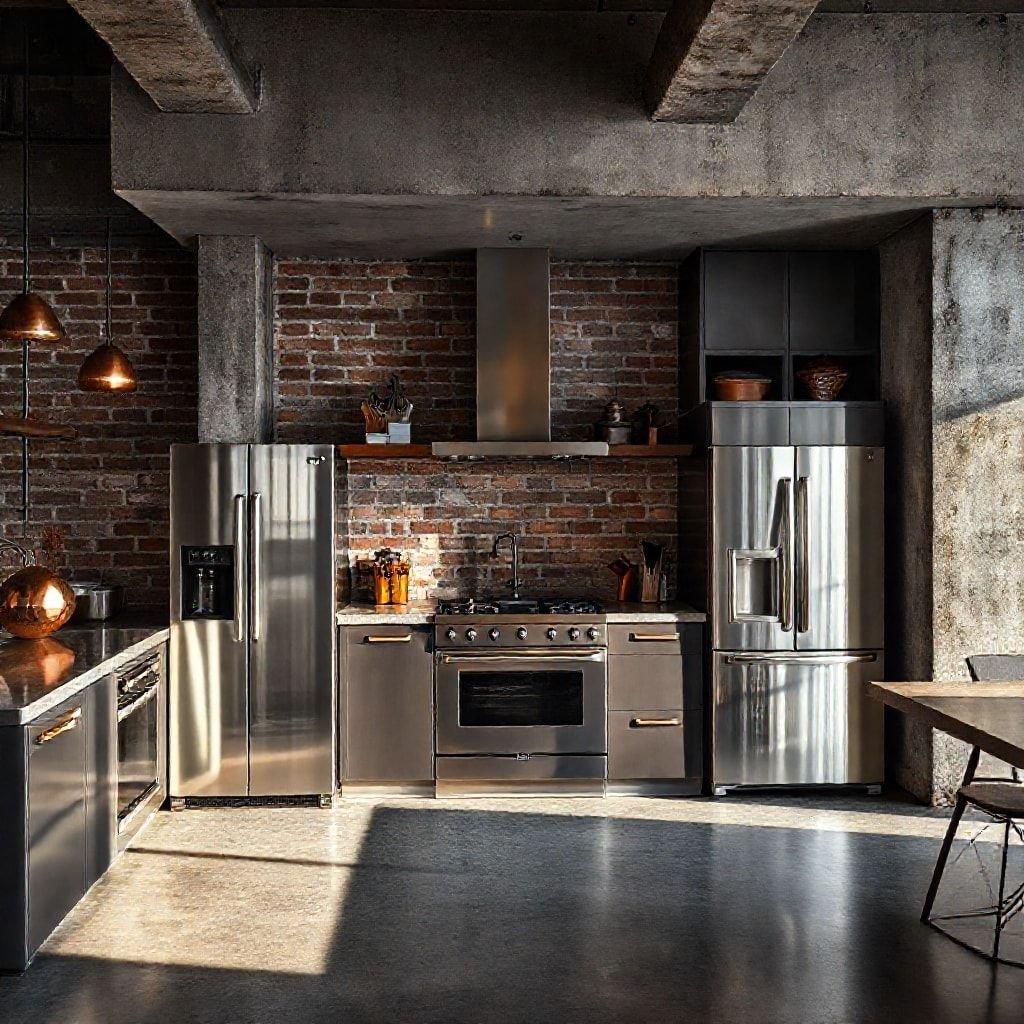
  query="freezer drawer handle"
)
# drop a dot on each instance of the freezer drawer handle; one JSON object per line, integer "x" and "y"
{"x": 800, "y": 659}
{"x": 66, "y": 724}
{"x": 653, "y": 723}
{"x": 388, "y": 639}
{"x": 653, "y": 638}
{"x": 238, "y": 626}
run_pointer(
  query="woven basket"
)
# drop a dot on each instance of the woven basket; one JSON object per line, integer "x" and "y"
{"x": 823, "y": 380}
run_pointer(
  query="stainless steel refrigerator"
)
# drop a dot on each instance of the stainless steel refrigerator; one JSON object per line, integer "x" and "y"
{"x": 797, "y": 615}
{"x": 252, "y": 707}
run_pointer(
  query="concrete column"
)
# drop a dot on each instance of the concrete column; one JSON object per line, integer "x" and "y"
{"x": 954, "y": 381}
{"x": 236, "y": 343}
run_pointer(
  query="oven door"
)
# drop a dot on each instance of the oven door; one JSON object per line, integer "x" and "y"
{"x": 522, "y": 702}
{"x": 138, "y": 732}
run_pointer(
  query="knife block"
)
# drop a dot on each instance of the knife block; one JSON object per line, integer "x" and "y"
{"x": 649, "y": 583}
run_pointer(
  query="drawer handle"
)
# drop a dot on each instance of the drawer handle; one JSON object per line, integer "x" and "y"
{"x": 653, "y": 723}
{"x": 66, "y": 724}
{"x": 389, "y": 639}
{"x": 653, "y": 638}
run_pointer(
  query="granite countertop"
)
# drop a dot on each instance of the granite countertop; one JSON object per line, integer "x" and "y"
{"x": 415, "y": 613}
{"x": 36, "y": 675}
{"x": 422, "y": 613}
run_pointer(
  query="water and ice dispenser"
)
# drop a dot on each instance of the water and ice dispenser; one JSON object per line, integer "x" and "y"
{"x": 207, "y": 582}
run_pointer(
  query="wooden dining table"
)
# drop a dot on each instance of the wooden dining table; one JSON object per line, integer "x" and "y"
{"x": 986, "y": 715}
{"x": 990, "y": 717}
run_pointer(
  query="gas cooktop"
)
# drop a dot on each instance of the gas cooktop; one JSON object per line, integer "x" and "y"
{"x": 522, "y": 606}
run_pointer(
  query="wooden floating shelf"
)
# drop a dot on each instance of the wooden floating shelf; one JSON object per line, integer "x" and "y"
{"x": 384, "y": 451}
{"x": 19, "y": 427}
{"x": 650, "y": 451}
{"x": 422, "y": 451}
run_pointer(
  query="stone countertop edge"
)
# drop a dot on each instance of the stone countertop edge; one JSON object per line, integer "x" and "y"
{"x": 420, "y": 613}
{"x": 59, "y": 694}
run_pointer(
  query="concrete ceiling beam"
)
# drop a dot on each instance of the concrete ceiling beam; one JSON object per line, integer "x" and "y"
{"x": 712, "y": 55}
{"x": 177, "y": 51}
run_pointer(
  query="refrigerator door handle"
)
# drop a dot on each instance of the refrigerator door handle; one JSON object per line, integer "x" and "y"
{"x": 256, "y": 564}
{"x": 786, "y": 575}
{"x": 238, "y": 626}
{"x": 803, "y": 596}
{"x": 790, "y": 658}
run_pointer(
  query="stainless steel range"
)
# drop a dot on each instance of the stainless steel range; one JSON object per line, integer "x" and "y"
{"x": 521, "y": 697}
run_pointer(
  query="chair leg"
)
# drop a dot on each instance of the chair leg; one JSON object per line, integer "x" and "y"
{"x": 940, "y": 864}
{"x": 1002, "y": 889}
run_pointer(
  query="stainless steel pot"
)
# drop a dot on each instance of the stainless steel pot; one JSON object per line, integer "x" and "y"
{"x": 97, "y": 602}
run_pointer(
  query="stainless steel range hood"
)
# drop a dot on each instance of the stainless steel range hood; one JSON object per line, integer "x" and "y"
{"x": 513, "y": 363}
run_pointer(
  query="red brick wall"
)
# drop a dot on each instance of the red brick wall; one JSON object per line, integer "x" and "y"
{"x": 343, "y": 326}
{"x": 108, "y": 489}
{"x": 573, "y": 517}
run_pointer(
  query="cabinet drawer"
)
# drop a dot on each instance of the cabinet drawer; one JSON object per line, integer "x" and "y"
{"x": 654, "y": 744}
{"x": 653, "y": 638}
{"x": 662, "y": 681}
{"x": 390, "y": 637}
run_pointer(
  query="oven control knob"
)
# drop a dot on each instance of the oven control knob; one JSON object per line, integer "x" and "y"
{"x": 593, "y": 633}
{"x": 574, "y": 633}
{"x": 451, "y": 634}
{"x": 494, "y": 633}
{"x": 522, "y": 633}
{"x": 471, "y": 634}
{"x": 552, "y": 633}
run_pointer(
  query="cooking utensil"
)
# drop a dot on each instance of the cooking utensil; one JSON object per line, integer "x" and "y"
{"x": 650, "y": 579}
{"x": 741, "y": 386}
{"x": 97, "y": 602}
{"x": 626, "y": 572}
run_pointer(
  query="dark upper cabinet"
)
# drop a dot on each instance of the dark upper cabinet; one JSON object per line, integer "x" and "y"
{"x": 745, "y": 301}
{"x": 833, "y": 305}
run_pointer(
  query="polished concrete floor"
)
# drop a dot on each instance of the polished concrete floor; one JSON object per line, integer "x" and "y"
{"x": 752, "y": 910}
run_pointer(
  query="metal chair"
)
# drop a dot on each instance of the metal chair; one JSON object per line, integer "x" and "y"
{"x": 1002, "y": 800}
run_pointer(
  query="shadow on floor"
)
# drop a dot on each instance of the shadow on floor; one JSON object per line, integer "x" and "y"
{"x": 480, "y": 916}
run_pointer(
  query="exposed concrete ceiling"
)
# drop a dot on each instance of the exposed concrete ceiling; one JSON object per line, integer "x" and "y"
{"x": 711, "y": 56}
{"x": 420, "y": 226}
{"x": 176, "y": 50}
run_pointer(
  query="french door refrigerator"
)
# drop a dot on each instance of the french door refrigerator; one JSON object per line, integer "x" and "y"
{"x": 797, "y": 615}
{"x": 252, "y": 620}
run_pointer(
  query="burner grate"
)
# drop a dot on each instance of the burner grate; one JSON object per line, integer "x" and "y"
{"x": 549, "y": 606}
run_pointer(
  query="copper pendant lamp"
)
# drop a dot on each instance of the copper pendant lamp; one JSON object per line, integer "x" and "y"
{"x": 28, "y": 316}
{"x": 107, "y": 368}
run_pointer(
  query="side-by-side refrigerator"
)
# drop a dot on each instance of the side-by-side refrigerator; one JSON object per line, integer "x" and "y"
{"x": 797, "y": 615}
{"x": 252, "y": 707}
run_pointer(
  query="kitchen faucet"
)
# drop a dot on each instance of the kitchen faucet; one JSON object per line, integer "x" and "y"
{"x": 514, "y": 582}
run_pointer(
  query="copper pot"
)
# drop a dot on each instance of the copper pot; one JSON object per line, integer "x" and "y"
{"x": 34, "y": 600}
{"x": 741, "y": 386}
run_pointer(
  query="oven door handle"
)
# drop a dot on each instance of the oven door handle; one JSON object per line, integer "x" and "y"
{"x": 148, "y": 694}
{"x": 528, "y": 654}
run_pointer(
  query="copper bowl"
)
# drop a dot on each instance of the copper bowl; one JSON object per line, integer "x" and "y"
{"x": 740, "y": 386}
{"x": 823, "y": 379}
{"x": 34, "y": 602}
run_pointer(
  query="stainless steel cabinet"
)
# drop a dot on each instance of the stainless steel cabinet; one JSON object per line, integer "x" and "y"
{"x": 655, "y": 697}
{"x": 99, "y": 708}
{"x": 387, "y": 704}
{"x": 56, "y": 818}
